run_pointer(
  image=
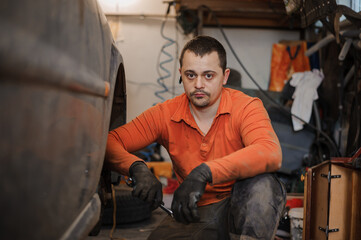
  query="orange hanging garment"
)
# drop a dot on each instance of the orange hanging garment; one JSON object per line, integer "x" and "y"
{"x": 288, "y": 57}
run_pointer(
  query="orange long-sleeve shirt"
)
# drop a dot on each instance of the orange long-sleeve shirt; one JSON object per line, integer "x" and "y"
{"x": 241, "y": 142}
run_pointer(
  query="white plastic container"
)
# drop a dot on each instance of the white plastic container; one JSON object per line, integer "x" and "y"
{"x": 296, "y": 219}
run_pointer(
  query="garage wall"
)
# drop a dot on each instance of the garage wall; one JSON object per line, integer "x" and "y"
{"x": 137, "y": 34}
{"x": 254, "y": 48}
{"x": 140, "y": 43}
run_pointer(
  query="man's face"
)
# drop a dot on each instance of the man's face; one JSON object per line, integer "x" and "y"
{"x": 202, "y": 78}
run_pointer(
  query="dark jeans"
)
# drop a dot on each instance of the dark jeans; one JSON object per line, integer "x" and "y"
{"x": 252, "y": 212}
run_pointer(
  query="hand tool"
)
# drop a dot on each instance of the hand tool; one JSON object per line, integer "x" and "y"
{"x": 130, "y": 183}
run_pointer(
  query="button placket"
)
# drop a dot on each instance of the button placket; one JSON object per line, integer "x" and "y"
{"x": 204, "y": 147}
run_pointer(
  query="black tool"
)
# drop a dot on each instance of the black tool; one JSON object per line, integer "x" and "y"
{"x": 168, "y": 211}
{"x": 130, "y": 183}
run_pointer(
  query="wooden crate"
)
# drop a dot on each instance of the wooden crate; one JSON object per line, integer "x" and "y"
{"x": 332, "y": 205}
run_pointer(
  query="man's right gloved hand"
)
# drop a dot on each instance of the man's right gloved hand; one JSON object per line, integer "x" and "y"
{"x": 146, "y": 185}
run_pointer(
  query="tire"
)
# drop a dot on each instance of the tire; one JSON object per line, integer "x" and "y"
{"x": 128, "y": 209}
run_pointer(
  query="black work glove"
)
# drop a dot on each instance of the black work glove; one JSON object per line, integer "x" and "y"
{"x": 145, "y": 185}
{"x": 184, "y": 205}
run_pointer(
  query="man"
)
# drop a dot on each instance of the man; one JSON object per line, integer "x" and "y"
{"x": 222, "y": 147}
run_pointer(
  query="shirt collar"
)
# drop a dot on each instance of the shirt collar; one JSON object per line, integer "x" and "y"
{"x": 183, "y": 112}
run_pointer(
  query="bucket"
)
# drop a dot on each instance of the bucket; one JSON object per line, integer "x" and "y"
{"x": 296, "y": 218}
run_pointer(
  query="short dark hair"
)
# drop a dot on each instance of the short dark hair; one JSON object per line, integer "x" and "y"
{"x": 202, "y": 45}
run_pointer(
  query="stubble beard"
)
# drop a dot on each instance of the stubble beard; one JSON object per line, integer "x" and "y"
{"x": 200, "y": 102}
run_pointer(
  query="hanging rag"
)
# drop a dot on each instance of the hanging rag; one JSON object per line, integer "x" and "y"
{"x": 306, "y": 84}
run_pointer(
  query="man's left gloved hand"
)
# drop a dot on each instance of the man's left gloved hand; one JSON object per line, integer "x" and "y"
{"x": 184, "y": 205}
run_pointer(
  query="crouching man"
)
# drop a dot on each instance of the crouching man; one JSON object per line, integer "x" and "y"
{"x": 223, "y": 150}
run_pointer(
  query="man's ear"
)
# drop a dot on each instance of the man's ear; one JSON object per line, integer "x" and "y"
{"x": 180, "y": 78}
{"x": 226, "y": 75}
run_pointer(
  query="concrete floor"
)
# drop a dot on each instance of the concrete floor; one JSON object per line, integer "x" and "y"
{"x": 138, "y": 230}
{"x": 132, "y": 231}
{"x": 141, "y": 230}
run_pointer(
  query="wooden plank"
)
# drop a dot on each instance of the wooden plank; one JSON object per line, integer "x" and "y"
{"x": 276, "y": 6}
{"x": 307, "y": 205}
{"x": 356, "y": 206}
{"x": 250, "y": 22}
{"x": 340, "y": 202}
{"x": 319, "y": 202}
{"x": 243, "y": 13}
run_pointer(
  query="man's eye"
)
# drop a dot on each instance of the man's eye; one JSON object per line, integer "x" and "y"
{"x": 208, "y": 76}
{"x": 191, "y": 76}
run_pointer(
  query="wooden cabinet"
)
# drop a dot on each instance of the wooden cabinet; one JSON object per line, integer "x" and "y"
{"x": 332, "y": 202}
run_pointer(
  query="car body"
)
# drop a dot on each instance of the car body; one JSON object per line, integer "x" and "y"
{"x": 62, "y": 83}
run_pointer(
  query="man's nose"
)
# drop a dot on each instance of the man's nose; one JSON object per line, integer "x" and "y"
{"x": 199, "y": 82}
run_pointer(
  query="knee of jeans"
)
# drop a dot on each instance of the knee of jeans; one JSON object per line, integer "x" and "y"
{"x": 256, "y": 203}
{"x": 264, "y": 187}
